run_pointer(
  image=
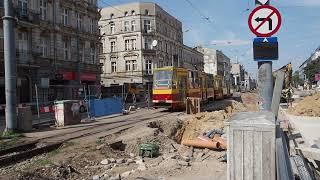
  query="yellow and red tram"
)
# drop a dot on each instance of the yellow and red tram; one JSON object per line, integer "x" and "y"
{"x": 171, "y": 87}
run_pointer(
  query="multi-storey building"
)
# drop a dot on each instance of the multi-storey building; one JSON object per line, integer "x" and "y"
{"x": 57, "y": 45}
{"x": 238, "y": 75}
{"x": 217, "y": 63}
{"x": 139, "y": 37}
{"x": 314, "y": 56}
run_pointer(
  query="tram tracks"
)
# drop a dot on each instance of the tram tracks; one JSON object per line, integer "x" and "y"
{"x": 46, "y": 144}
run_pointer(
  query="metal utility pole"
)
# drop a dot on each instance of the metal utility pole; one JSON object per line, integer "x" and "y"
{"x": 265, "y": 80}
{"x": 10, "y": 66}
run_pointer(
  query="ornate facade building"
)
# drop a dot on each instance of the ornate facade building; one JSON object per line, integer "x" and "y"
{"x": 138, "y": 37}
{"x": 57, "y": 47}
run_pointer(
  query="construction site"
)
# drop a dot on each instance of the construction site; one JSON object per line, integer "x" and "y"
{"x": 108, "y": 90}
{"x": 110, "y": 148}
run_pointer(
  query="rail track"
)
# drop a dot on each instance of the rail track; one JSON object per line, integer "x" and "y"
{"x": 46, "y": 144}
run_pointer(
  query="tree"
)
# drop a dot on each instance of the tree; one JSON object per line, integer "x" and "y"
{"x": 312, "y": 69}
{"x": 296, "y": 79}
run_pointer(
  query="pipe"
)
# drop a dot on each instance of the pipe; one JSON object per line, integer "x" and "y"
{"x": 197, "y": 143}
{"x": 216, "y": 138}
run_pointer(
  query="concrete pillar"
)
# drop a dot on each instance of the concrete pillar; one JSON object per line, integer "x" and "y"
{"x": 251, "y": 146}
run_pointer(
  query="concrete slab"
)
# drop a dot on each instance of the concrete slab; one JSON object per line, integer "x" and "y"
{"x": 308, "y": 127}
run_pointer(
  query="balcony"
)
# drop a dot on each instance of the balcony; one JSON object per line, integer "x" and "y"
{"x": 149, "y": 51}
{"x": 28, "y": 15}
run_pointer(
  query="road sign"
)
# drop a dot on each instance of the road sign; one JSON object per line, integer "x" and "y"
{"x": 317, "y": 77}
{"x": 262, "y": 2}
{"x": 264, "y": 21}
{"x": 265, "y": 49}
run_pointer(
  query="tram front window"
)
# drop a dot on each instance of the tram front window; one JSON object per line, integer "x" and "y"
{"x": 163, "y": 79}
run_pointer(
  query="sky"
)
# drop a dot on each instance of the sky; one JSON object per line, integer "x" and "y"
{"x": 214, "y": 23}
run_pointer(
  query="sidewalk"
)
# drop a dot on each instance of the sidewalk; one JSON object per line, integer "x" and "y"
{"x": 308, "y": 127}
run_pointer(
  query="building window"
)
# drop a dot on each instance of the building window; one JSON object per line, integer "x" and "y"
{"x": 111, "y": 16}
{"x": 126, "y": 26}
{"x": 134, "y": 65}
{"x": 146, "y": 12}
{"x": 43, "y": 47}
{"x": 79, "y": 21}
{"x": 64, "y": 16}
{"x": 127, "y": 44}
{"x": 133, "y": 25}
{"x": 131, "y": 65}
{"x": 133, "y": 13}
{"x": 147, "y": 43}
{"x": 81, "y": 51}
{"x": 147, "y": 26}
{"x": 128, "y": 65}
{"x": 148, "y": 67}
{"x": 23, "y": 7}
{"x": 112, "y": 28}
{"x": 22, "y": 42}
{"x": 126, "y": 13}
{"x": 65, "y": 49}
{"x": 92, "y": 25}
{"x": 113, "y": 46}
{"x": 113, "y": 67}
{"x": 92, "y": 53}
{"x": 134, "y": 44}
{"x": 166, "y": 47}
{"x": 43, "y": 9}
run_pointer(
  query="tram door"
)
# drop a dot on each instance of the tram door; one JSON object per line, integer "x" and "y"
{"x": 183, "y": 88}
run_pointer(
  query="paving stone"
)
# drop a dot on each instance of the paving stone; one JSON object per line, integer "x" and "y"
{"x": 120, "y": 161}
{"x": 100, "y": 146}
{"x": 126, "y": 174}
{"x": 183, "y": 163}
{"x": 142, "y": 167}
{"x": 112, "y": 160}
{"x": 116, "y": 177}
{"x": 129, "y": 161}
{"x": 105, "y": 162}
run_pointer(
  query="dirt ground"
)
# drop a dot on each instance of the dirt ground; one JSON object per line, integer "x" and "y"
{"x": 116, "y": 156}
{"x": 309, "y": 106}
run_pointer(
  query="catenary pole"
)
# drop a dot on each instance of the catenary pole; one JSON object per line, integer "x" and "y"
{"x": 265, "y": 80}
{"x": 10, "y": 66}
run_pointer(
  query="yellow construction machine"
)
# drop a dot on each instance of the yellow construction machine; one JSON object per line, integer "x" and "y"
{"x": 287, "y": 91}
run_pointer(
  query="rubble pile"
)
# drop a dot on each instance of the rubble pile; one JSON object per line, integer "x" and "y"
{"x": 206, "y": 121}
{"x": 309, "y": 106}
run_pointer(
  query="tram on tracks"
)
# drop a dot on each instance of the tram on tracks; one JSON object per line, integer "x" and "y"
{"x": 172, "y": 86}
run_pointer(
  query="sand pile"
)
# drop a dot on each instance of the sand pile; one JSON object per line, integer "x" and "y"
{"x": 207, "y": 121}
{"x": 309, "y": 106}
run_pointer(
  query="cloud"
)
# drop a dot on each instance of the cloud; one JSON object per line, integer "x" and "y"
{"x": 230, "y": 42}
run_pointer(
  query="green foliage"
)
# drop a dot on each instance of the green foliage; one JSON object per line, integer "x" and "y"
{"x": 9, "y": 139}
{"x": 11, "y": 135}
{"x": 296, "y": 79}
{"x": 312, "y": 69}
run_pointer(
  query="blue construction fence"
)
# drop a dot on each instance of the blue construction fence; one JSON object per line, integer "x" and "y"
{"x": 105, "y": 107}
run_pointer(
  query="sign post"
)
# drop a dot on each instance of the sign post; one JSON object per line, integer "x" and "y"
{"x": 264, "y": 21}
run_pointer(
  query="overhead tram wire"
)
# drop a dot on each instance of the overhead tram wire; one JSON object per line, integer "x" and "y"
{"x": 105, "y": 3}
{"x": 199, "y": 11}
